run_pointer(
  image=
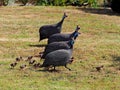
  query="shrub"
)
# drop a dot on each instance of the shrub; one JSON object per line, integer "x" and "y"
{"x": 43, "y": 2}
{"x": 92, "y": 3}
{"x": 59, "y": 2}
{"x": 3, "y": 2}
{"x": 66, "y": 2}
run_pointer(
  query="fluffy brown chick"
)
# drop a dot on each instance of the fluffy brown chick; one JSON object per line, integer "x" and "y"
{"x": 17, "y": 59}
{"x": 23, "y": 66}
{"x": 71, "y": 60}
{"x": 13, "y": 64}
{"x": 31, "y": 62}
{"x": 36, "y": 65}
{"x": 99, "y": 68}
{"x": 29, "y": 58}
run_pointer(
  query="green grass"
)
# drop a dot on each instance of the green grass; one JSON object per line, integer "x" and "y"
{"x": 98, "y": 44}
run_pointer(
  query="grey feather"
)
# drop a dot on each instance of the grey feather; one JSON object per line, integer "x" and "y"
{"x": 63, "y": 37}
{"x": 47, "y": 30}
{"x": 57, "y": 58}
{"x": 58, "y": 45}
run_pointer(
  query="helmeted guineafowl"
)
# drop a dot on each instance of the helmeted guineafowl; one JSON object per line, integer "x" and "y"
{"x": 63, "y": 37}
{"x": 48, "y": 30}
{"x": 58, "y": 58}
{"x": 58, "y": 45}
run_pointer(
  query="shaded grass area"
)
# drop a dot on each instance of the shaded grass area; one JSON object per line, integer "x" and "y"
{"x": 100, "y": 11}
{"x": 98, "y": 44}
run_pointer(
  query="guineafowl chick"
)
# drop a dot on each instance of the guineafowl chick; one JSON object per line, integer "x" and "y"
{"x": 23, "y": 66}
{"x": 58, "y": 58}
{"x": 63, "y": 37}
{"x": 17, "y": 59}
{"x": 58, "y": 45}
{"x": 13, "y": 64}
{"x": 99, "y": 68}
{"x": 47, "y": 30}
{"x": 21, "y": 58}
{"x": 29, "y": 58}
{"x": 71, "y": 60}
{"x": 39, "y": 55}
{"x": 36, "y": 65}
{"x": 31, "y": 62}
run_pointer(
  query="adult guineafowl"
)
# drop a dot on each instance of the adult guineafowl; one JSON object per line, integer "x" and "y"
{"x": 58, "y": 58}
{"x": 63, "y": 37}
{"x": 48, "y": 30}
{"x": 56, "y": 46}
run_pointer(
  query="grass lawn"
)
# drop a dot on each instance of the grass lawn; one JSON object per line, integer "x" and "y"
{"x": 98, "y": 44}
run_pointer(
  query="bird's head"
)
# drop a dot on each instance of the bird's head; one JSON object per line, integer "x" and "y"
{"x": 65, "y": 15}
{"x": 75, "y": 34}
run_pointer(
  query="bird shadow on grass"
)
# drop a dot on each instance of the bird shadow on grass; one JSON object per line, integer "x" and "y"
{"x": 38, "y": 45}
{"x": 116, "y": 61}
{"x": 101, "y": 11}
{"x": 51, "y": 71}
{"x": 116, "y": 58}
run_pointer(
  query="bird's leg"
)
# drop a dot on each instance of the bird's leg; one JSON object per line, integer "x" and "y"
{"x": 67, "y": 68}
{"x": 54, "y": 68}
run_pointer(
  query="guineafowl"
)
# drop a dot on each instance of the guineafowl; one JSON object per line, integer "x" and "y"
{"x": 13, "y": 64}
{"x": 23, "y": 66}
{"x": 58, "y": 58}
{"x": 57, "y": 45}
{"x": 36, "y": 65}
{"x": 63, "y": 37}
{"x": 31, "y": 62}
{"x": 99, "y": 68}
{"x": 29, "y": 58}
{"x": 48, "y": 30}
{"x": 18, "y": 59}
